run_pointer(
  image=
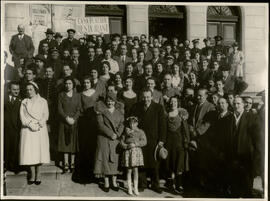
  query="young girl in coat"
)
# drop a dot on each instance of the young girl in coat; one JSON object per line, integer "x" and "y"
{"x": 132, "y": 141}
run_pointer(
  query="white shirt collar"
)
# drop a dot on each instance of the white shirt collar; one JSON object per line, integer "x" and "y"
{"x": 237, "y": 119}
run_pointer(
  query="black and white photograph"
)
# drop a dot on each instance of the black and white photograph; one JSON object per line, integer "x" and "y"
{"x": 134, "y": 100}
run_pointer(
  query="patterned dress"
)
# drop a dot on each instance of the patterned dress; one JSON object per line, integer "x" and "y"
{"x": 133, "y": 157}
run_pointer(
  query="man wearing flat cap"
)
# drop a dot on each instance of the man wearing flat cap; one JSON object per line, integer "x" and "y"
{"x": 219, "y": 47}
{"x": 49, "y": 40}
{"x": 232, "y": 83}
{"x": 207, "y": 43}
{"x": 195, "y": 48}
{"x": 70, "y": 42}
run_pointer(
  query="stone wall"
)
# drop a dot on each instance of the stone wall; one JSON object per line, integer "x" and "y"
{"x": 255, "y": 23}
{"x": 137, "y": 20}
{"x": 254, "y": 20}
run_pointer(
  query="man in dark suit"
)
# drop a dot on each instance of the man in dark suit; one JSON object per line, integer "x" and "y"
{"x": 49, "y": 40}
{"x": 12, "y": 127}
{"x": 195, "y": 48}
{"x": 58, "y": 38}
{"x": 156, "y": 59}
{"x": 70, "y": 42}
{"x": 219, "y": 47}
{"x": 21, "y": 46}
{"x": 244, "y": 152}
{"x": 122, "y": 59}
{"x": 199, "y": 130}
{"x": 90, "y": 63}
{"x": 205, "y": 72}
{"x": 148, "y": 54}
{"x": 55, "y": 62}
{"x": 207, "y": 43}
{"x": 152, "y": 122}
{"x": 232, "y": 83}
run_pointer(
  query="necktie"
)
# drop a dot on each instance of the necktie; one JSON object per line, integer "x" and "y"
{"x": 198, "y": 110}
{"x": 20, "y": 37}
{"x": 13, "y": 100}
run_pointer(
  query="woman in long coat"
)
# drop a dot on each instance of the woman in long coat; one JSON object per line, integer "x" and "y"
{"x": 34, "y": 143}
{"x": 110, "y": 125}
{"x": 69, "y": 108}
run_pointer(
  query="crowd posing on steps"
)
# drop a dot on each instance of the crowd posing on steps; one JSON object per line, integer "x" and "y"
{"x": 134, "y": 107}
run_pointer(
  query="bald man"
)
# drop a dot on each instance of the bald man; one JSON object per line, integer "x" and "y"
{"x": 21, "y": 46}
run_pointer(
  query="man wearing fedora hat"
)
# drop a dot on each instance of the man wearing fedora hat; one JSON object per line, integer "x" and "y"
{"x": 49, "y": 39}
{"x": 70, "y": 42}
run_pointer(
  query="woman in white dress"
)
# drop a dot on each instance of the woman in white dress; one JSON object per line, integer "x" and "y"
{"x": 34, "y": 144}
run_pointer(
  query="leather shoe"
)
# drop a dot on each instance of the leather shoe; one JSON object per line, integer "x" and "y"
{"x": 115, "y": 188}
{"x": 37, "y": 182}
{"x": 29, "y": 182}
{"x": 157, "y": 190}
{"x": 105, "y": 189}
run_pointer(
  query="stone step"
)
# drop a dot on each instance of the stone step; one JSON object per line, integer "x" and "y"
{"x": 45, "y": 168}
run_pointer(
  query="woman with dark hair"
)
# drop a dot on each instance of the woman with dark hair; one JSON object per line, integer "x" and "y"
{"x": 118, "y": 80}
{"x": 129, "y": 71}
{"x": 127, "y": 95}
{"x": 87, "y": 138}
{"x": 177, "y": 144}
{"x": 34, "y": 141}
{"x": 159, "y": 73}
{"x": 69, "y": 108}
{"x": 140, "y": 64}
{"x": 110, "y": 122}
{"x": 105, "y": 72}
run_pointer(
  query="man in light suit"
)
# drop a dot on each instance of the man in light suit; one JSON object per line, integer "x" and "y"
{"x": 122, "y": 59}
{"x": 21, "y": 46}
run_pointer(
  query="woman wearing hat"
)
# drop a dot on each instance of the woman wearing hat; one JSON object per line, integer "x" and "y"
{"x": 110, "y": 127}
{"x": 176, "y": 143}
{"x": 69, "y": 108}
{"x": 236, "y": 61}
{"x": 34, "y": 144}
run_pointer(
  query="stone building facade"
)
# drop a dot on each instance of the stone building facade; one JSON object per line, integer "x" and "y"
{"x": 245, "y": 23}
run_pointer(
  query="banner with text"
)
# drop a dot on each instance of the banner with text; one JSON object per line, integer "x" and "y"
{"x": 92, "y": 25}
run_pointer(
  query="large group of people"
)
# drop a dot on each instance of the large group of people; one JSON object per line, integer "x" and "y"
{"x": 146, "y": 108}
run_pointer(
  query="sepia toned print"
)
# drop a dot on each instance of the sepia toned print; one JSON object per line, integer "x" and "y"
{"x": 134, "y": 100}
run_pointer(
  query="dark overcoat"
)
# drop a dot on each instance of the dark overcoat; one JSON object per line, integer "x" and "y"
{"x": 152, "y": 122}
{"x": 12, "y": 127}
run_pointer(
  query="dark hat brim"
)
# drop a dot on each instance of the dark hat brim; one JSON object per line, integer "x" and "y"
{"x": 71, "y": 30}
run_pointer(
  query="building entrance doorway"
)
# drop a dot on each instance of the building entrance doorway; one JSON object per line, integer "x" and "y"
{"x": 167, "y": 20}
